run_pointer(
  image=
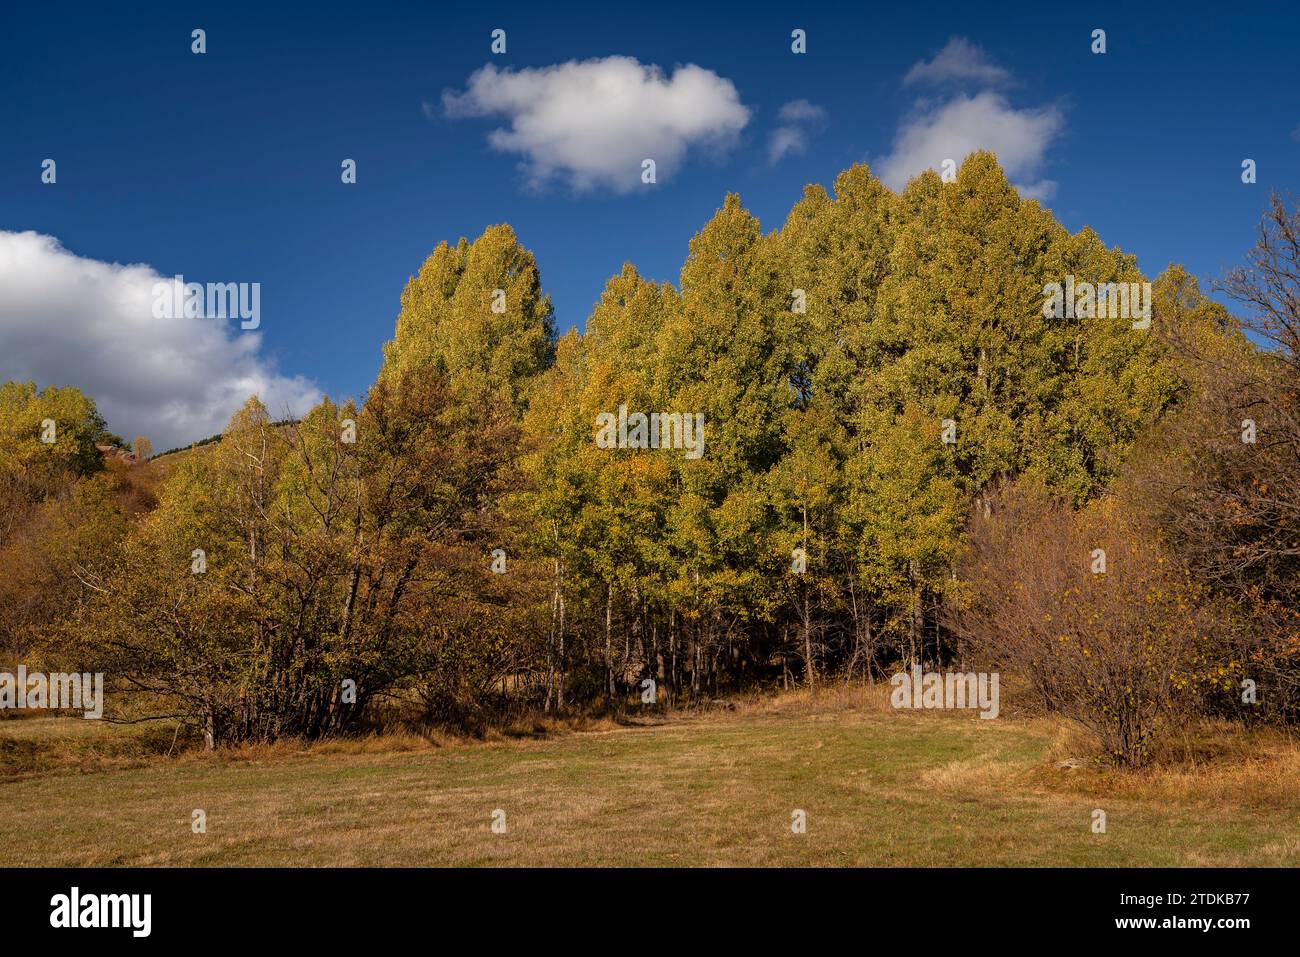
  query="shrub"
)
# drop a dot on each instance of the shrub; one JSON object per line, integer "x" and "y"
{"x": 1106, "y": 627}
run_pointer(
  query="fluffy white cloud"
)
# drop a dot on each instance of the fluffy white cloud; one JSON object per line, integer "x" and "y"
{"x": 68, "y": 320}
{"x": 959, "y": 60}
{"x": 799, "y": 121}
{"x": 593, "y": 122}
{"x": 964, "y": 124}
{"x": 953, "y": 128}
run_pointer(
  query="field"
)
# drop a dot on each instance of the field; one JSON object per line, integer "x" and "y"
{"x": 879, "y": 788}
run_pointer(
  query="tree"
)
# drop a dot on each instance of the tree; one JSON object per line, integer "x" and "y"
{"x": 959, "y": 351}
{"x": 834, "y": 255}
{"x": 52, "y": 561}
{"x": 1088, "y": 608}
{"x": 476, "y": 315}
{"x": 1218, "y": 475}
{"x": 47, "y": 441}
{"x": 725, "y": 352}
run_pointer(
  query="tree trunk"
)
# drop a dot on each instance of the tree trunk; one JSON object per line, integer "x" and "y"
{"x": 810, "y": 668}
{"x": 609, "y": 649}
{"x": 209, "y": 726}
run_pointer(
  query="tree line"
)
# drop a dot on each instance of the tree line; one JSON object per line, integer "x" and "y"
{"x": 907, "y": 458}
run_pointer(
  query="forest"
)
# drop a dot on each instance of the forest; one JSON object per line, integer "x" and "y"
{"x": 911, "y": 454}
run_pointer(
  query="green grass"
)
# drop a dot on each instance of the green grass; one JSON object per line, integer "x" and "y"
{"x": 879, "y": 788}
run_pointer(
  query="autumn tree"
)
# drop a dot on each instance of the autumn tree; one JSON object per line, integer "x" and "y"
{"x": 1218, "y": 474}
{"x": 475, "y": 313}
{"x": 1093, "y": 612}
{"x": 48, "y": 439}
{"x": 726, "y": 355}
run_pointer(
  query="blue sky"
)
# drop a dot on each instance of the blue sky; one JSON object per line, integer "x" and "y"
{"x": 225, "y": 166}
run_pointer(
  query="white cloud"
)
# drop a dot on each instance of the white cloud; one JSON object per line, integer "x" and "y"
{"x": 1042, "y": 191}
{"x": 784, "y": 141}
{"x": 959, "y": 60}
{"x": 593, "y": 122}
{"x": 800, "y": 111}
{"x": 955, "y": 127}
{"x": 958, "y": 127}
{"x": 68, "y": 320}
{"x": 799, "y": 121}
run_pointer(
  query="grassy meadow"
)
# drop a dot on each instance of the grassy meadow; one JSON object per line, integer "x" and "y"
{"x": 879, "y": 788}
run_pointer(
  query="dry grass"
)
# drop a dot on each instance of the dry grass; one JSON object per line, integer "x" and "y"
{"x": 1209, "y": 764}
{"x": 710, "y": 787}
